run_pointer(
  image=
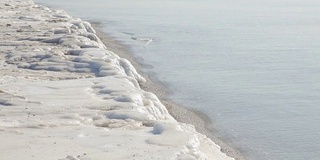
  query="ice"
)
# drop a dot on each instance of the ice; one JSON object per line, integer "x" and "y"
{"x": 63, "y": 95}
{"x": 159, "y": 128}
{"x": 134, "y": 115}
{"x": 130, "y": 70}
{"x": 62, "y": 30}
{"x": 84, "y": 27}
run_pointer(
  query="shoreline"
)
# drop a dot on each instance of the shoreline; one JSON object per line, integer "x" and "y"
{"x": 64, "y": 94}
{"x": 201, "y": 122}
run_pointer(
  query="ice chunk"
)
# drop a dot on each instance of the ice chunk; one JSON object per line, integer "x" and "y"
{"x": 130, "y": 70}
{"x": 159, "y": 128}
{"x": 127, "y": 114}
{"x": 62, "y": 30}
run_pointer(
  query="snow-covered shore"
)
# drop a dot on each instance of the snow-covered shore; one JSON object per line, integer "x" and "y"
{"x": 63, "y": 95}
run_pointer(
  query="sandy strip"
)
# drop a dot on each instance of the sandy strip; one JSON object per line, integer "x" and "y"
{"x": 202, "y": 122}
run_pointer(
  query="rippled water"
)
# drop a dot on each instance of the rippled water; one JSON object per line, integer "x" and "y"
{"x": 252, "y": 66}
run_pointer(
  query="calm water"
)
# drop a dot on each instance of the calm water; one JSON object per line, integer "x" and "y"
{"x": 252, "y": 66}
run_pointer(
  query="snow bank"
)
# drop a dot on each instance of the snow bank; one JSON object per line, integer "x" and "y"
{"x": 63, "y": 95}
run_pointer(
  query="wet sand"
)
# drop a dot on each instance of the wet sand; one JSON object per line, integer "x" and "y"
{"x": 199, "y": 120}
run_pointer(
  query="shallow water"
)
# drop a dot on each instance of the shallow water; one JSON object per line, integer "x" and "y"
{"x": 251, "y": 66}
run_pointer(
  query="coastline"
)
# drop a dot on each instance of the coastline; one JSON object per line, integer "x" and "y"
{"x": 199, "y": 120}
{"x": 64, "y": 94}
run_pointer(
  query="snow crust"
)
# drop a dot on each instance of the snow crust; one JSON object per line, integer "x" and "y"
{"x": 64, "y": 96}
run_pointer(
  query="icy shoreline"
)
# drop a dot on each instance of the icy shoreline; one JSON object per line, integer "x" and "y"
{"x": 65, "y": 96}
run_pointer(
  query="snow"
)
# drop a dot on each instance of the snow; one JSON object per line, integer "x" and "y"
{"x": 63, "y": 95}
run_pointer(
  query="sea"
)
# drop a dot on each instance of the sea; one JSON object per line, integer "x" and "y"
{"x": 252, "y": 66}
